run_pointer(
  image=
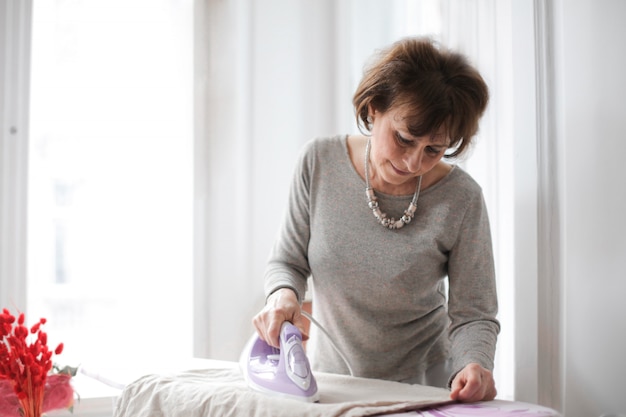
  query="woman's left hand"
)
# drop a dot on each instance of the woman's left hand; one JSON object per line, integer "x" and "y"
{"x": 473, "y": 383}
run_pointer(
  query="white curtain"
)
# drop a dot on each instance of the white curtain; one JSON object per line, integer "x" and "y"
{"x": 482, "y": 30}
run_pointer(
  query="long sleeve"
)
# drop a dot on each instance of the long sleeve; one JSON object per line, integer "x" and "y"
{"x": 472, "y": 305}
{"x": 288, "y": 263}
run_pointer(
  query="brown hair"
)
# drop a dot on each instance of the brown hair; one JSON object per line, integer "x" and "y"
{"x": 436, "y": 88}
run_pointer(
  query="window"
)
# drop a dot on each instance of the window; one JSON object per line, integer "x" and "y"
{"x": 110, "y": 178}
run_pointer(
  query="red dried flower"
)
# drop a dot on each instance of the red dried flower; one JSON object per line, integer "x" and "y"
{"x": 24, "y": 365}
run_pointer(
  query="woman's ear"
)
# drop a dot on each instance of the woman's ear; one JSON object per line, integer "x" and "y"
{"x": 371, "y": 112}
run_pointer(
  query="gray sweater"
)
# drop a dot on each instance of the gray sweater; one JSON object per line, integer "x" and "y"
{"x": 380, "y": 293}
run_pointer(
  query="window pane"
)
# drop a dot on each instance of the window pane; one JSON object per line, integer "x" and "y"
{"x": 110, "y": 178}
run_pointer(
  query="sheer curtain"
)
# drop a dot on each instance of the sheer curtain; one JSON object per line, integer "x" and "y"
{"x": 482, "y": 30}
{"x": 273, "y": 74}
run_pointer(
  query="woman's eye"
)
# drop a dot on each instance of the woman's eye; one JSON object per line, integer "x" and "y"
{"x": 434, "y": 151}
{"x": 403, "y": 141}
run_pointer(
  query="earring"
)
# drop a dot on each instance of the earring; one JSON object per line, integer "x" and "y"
{"x": 370, "y": 120}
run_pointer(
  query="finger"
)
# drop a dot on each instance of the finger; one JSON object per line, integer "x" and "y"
{"x": 273, "y": 332}
{"x": 470, "y": 392}
{"x": 300, "y": 322}
{"x": 456, "y": 387}
{"x": 259, "y": 325}
{"x": 266, "y": 327}
{"x": 467, "y": 387}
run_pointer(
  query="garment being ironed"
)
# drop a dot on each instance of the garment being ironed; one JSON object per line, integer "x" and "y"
{"x": 381, "y": 294}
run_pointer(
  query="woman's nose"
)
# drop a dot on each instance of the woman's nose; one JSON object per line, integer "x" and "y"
{"x": 413, "y": 159}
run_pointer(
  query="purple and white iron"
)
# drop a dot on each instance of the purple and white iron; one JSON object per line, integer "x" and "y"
{"x": 283, "y": 372}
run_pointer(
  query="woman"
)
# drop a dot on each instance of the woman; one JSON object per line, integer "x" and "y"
{"x": 379, "y": 221}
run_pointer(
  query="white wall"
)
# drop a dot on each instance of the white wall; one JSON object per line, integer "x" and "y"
{"x": 591, "y": 86}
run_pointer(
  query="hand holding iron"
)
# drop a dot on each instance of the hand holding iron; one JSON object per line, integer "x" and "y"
{"x": 473, "y": 383}
{"x": 281, "y": 306}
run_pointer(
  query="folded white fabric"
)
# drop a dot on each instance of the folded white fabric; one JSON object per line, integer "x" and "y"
{"x": 223, "y": 392}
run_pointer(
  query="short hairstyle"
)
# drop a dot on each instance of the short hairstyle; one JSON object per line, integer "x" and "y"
{"x": 434, "y": 86}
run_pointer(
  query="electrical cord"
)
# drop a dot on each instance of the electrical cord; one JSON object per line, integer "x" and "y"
{"x": 330, "y": 339}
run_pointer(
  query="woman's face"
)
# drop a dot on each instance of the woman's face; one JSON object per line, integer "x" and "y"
{"x": 397, "y": 157}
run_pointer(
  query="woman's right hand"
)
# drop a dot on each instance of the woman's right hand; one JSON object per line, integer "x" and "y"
{"x": 281, "y": 306}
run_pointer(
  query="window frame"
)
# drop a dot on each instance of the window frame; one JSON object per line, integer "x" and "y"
{"x": 14, "y": 84}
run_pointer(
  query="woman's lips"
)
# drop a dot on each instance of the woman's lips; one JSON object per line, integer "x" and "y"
{"x": 400, "y": 171}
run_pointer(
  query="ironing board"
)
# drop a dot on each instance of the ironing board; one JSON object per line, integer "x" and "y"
{"x": 495, "y": 408}
{"x": 173, "y": 394}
